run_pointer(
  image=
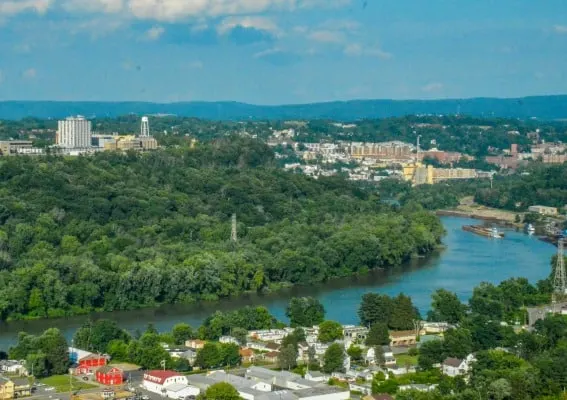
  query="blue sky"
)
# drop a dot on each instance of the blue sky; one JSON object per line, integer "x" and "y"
{"x": 280, "y": 51}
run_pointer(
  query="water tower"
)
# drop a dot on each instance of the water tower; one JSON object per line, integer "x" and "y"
{"x": 145, "y": 127}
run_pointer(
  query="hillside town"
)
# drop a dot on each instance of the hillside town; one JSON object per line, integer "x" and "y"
{"x": 258, "y": 375}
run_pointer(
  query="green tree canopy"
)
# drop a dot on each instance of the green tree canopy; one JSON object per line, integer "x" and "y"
{"x": 330, "y": 331}
{"x": 333, "y": 360}
{"x": 305, "y": 311}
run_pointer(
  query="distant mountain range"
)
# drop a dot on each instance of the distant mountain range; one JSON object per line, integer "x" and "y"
{"x": 541, "y": 107}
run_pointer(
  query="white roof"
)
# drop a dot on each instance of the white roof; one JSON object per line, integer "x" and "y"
{"x": 176, "y": 387}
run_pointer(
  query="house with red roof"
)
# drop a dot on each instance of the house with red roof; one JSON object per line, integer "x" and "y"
{"x": 156, "y": 381}
{"x": 109, "y": 375}
{"x": 86, "y": 362}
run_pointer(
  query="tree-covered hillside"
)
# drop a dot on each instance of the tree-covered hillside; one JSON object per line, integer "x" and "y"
{"x": 119, "y": 231}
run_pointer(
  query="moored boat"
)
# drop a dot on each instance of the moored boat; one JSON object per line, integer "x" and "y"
{"x": 484, "y": 231}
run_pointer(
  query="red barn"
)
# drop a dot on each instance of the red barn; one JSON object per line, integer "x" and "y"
{"x": 109, "y": 375}
{"x": 85, "y": 362}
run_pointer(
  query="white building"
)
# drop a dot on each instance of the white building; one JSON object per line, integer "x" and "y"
{"x": 74, "y": 133}
{"x": 13, "y": 367}
{"x": 228, "y": 340}
{"x": 454, "y": 367}
{"x": 158, "y": 381}
{"x": 323, "y": 393}
{"x": 180, "y": 391}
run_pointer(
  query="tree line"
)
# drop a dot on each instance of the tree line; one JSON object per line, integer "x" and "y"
{"x": 122, "y": 231}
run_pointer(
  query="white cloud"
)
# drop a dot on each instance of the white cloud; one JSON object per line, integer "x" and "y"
{"x": 29, "y": 73}
{"x": 560, "y": 28}
{"x": 176, "y": 10}
{"x": 12, "y": 7}
{"x": 432, "y": 87}
{"x": 155, "y": 32}
{"x": 324, "y": 3}
{"x": 326, "y": 36}
{"x": 196, "y": 64}
{"x": 357, "y": 50}
{"x": 105, "y": 6}
{"x": 256, "y": 22}
{"x": 348, "y": 25}
{"x": 268, "y": 52}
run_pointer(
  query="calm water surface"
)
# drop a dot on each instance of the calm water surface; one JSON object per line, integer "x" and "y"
{"x": 467, "y": 260}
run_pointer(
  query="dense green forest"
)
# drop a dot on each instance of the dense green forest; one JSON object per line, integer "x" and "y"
{"x": 538, "y": 184}
{"x": 120, "y": 231}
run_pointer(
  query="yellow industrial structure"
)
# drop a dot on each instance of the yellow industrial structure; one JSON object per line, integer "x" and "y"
{"x": 420, "y": 174}
{"x": 131, "y": 142}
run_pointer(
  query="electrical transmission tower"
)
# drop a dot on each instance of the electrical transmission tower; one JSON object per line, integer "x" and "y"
{"x": 233, "y": 235}
{"x": 145, "y": 127}
{"x": 559, "y": 279}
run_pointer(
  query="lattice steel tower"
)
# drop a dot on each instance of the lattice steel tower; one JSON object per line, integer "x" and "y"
{"x": 145, "y": 127}
{"x": 559, "y": 279}
{"x": 233, "y": 235}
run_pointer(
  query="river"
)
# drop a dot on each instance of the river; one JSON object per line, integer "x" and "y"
{"x": 466, "y": 261}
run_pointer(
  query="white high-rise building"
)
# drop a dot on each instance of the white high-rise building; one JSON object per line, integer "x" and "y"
{"x": 145, "y": 128}
{"x": 74, "y": 133}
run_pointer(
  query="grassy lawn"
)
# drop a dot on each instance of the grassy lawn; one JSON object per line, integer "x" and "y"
{"x": 404, "y": 359}
{"x": 61, "y": 383}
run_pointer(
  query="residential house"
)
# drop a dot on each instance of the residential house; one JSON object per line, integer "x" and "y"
{"x": 398, "y": 371}
{"x": 418, "y": 387}
{"x": 436, "y": 327}
{"x": 195, "y": 344}
{"x": 303, "y": 352}
{"x": 389, "y": 359}
{"x": 271, "y": 357}
{"x": 262, "y": 346}
{"x": 269, "y": 335}
{"x": 22, "y": 387}
{"x": 355, "y": 333}
{"x": 323, "y": 393}
{"x": 403, "y": 338}
{"x": 13, "y": 367}
{"x": 238, "y": 381}
{"x": 364, "y": 388}
{"x": 272, "y": 346}
{"x": 280, "y": 379}
{"x": 454, "y": 367}
{"x": 228, "y": 340}
{"x": 340, "y": 376}
{"x": 316, "y": 376}
{"x": 109, "y": 375}
{"x": 6, "y": 388}
{"x": 380, "y": 396}
{"x": 247, "y": 355}
{"x": 190, "y": 355}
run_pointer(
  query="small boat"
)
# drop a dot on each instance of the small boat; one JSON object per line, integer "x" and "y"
{"x": 495, "y": 234}
{"x": 530, "y": 229}
{"x": 484, "y": 231}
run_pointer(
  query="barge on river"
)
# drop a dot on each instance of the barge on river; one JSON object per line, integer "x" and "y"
{"x": 484, "y": 231}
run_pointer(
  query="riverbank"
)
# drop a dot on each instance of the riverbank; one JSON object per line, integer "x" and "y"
{"x": 474, "y": 211}
{"x": 466, "y": 261}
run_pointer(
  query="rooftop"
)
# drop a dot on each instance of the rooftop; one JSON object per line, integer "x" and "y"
{"x": 319, "y": 391}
